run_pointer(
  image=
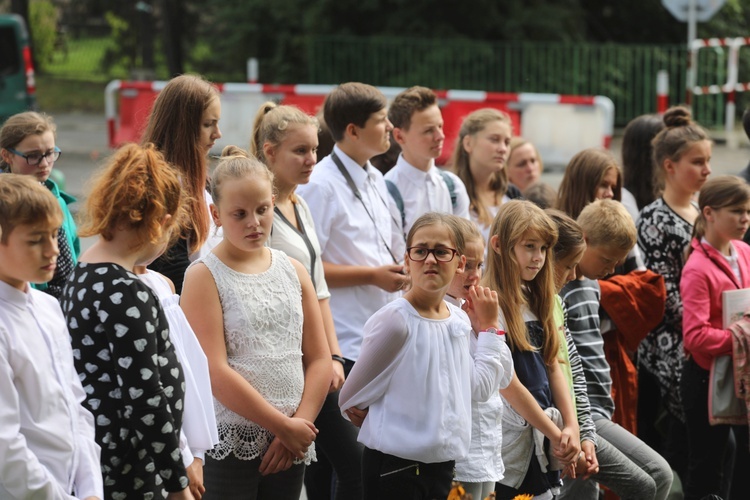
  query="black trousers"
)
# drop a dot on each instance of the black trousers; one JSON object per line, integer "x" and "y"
{"x": 708, "y": 443}
{"x": 388, "y": 476}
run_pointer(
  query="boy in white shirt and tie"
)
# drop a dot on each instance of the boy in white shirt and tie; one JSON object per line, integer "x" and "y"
{"x": 47, "y": 447}
{"x": 415, "y": 183}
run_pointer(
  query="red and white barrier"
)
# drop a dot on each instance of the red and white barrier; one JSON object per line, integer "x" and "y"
{"x": 558, "y": 125}
{"x": 731, "y": 86}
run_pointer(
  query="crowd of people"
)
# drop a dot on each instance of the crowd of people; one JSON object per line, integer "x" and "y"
{"x": 298, "y": 317}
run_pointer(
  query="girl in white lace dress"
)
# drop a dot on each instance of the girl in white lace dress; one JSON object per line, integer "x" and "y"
{"x": 256, "y": 315}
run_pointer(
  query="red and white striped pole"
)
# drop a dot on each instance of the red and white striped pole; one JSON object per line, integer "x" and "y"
{"x": 662, "y": 91}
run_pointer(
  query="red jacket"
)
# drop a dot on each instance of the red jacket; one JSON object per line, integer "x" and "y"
{"x": 705, "y": 276}
{"x": 635, "y": 304}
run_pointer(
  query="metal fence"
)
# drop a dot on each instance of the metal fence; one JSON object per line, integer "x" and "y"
{"x": 624, "y": 73}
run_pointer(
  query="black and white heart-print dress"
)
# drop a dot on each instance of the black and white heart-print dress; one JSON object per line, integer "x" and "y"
{"x": 133, "y": 381}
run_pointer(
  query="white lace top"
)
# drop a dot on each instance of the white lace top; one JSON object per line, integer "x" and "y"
{"x": 263, "y": 336}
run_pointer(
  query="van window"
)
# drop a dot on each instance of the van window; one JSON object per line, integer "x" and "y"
{"x": 10, "y": 61}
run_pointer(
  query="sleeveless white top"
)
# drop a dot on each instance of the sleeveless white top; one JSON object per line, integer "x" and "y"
{"x": 263, "y": 336}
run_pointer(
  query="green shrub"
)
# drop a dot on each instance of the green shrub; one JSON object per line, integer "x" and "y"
{"x": 43, "y": 18}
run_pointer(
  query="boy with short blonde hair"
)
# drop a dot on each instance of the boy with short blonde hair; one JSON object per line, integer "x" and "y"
{"x": 610, "y": 234}
{"x": 47, "y": 446}
{"x": 415, "y": 183}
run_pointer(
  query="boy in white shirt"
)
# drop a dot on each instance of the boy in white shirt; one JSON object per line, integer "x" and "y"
{"x": 47, "y": 447}
{"x": 415, "y": 183}
{"x": 357, "y": 223}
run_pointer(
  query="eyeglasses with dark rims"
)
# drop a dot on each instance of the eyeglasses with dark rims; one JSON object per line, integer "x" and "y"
{"x": 441, "y": 254}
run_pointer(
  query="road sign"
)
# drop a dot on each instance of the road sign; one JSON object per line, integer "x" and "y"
{"x": 704, "y": 9}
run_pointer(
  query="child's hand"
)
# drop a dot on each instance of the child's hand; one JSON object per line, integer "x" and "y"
{"x": 180, "y": 495}
{"x": 568, "y": 449}
{"x": 195, "y": 475}
{"x": 356, "y": 415}
{"x": 297, "y": 435}
{"x": 276, "y": 459}
{"x": 482, "y": 307}
{"x": 391, "y": 278}
{"x": 338, "y": 377}
{"x": 587, "y": 461}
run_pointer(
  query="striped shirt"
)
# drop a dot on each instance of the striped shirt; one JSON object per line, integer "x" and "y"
{"x": 583, "y": 407}
{"x": 581, "y": 298}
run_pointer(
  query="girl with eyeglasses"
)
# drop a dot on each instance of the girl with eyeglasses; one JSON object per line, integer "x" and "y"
{"x": 27, "y": 147}
{"x": 412, "y": 387}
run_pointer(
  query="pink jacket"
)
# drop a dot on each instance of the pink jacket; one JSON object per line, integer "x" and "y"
{"x": 705, "y": 276}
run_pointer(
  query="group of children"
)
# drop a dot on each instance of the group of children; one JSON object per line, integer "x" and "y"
{"x": 302, "y": 300}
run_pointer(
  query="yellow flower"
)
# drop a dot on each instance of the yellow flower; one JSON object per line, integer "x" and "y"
{"x": 523, "y": 497}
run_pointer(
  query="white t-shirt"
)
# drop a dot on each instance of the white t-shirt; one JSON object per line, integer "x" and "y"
{"x": 418, "y": 379}
{"x": 48, "y": 441}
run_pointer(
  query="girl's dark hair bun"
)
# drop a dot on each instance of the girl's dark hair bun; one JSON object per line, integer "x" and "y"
{"x": 678, "y": 116}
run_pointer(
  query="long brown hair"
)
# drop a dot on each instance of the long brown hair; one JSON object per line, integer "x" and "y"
{"x": 582, "y": 177}
{"x": 513, "y": 221}
{"x": 174, "y": 127}
{"x": 638, "y": 157}
{"x": 473, "y": 124}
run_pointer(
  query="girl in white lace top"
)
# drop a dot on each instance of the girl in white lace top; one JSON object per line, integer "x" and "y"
{"x": 256, "y": 315}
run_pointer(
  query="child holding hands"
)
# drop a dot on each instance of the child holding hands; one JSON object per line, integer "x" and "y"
{"x": 521, "y": 241}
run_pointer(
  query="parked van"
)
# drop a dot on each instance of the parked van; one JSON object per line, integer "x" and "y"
{"x": 17, "y": 85}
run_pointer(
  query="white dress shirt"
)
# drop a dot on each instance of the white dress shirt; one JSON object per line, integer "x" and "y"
{"x": 418, "y": 379}
{"x": 348, "y": 236}
{"x": 424, "y": 192}
{"x": 47, "y": 446}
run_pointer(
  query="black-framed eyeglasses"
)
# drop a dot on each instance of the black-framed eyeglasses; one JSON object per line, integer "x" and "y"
{"x": 442, "y": 254}
{"x": 34, "y": 159}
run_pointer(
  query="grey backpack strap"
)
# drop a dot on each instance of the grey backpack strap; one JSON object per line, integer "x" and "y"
{"x": 450, "y": 185}
{"x": 396, "y": 195}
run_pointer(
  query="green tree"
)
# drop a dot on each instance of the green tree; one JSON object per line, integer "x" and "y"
{"x": 43, "y": 17}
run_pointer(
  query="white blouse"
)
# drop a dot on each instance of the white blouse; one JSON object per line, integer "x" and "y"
{"x": 484, "y": 462}
{"x": 48, "y": 448}
{"x": 199, "y": 433}
{"x": 417, "y": 377}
